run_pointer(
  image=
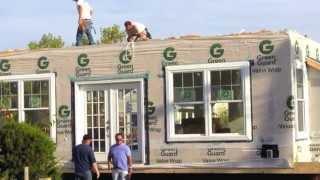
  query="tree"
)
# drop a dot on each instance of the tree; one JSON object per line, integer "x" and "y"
{"x": 47, "y": 41}
{"x": 111, "y": 34}
{"x": 21, "y": 145}
{"x": 84, "y": 40}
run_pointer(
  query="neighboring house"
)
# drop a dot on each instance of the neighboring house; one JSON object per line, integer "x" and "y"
{"x": 244, "y": 100}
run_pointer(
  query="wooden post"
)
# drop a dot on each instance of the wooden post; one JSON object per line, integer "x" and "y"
{"x": 26, "y": 173}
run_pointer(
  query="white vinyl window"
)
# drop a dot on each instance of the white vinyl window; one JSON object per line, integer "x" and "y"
{"x": 301, "y": 105}
{"x": 208, "y": 102}
{"x": 30, "y": 98}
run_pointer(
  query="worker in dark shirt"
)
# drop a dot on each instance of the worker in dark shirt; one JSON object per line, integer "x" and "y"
{"x": 84, "y": 160}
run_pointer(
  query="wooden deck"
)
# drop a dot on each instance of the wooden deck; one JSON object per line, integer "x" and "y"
{"x": 298, "y": 168}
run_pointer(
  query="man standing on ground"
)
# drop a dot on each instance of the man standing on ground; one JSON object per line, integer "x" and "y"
{"x": 136, "y": 31}
{"x": 85, "y": 21}
{"x": 120, "y": 155}
{"x": 84, "y": 160}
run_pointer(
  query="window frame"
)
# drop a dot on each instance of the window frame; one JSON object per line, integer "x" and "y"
{"x": 302, "y": 135}
{"x": 244, "y": 67}
{"x": 20, "y": 79}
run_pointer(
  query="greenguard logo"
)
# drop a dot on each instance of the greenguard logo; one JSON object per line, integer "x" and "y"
{"x": 317, "y": 54}
{"x": 43, "y": 62}
{"x": 125, "y": 57}
{"x": 169, "y": 54}
{"x": 5, "y": 65}
{"x": 307, "y": 51}
{"x": 297, "y": 48}
{"x": 266, "y": 47}
{"x": 290, "y": 102}
{"x": 151, "y": 108}
{"x": 83, "y": 60}
{"x": 216, "y": 50}
{"x": 64, "y": 111}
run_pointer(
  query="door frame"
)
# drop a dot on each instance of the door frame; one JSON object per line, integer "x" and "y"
{"x": 79, "y": 117}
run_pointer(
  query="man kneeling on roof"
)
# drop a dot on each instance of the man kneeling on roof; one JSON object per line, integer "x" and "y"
{"x": 136, "y": 31}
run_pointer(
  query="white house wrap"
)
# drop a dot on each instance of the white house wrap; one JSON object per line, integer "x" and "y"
{"x": 247, "y": 100}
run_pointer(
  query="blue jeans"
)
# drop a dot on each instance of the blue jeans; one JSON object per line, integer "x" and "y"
{"x": 118, "y": 174}
{"x": 83, "y": 175}
{"x": 87, "y": 29}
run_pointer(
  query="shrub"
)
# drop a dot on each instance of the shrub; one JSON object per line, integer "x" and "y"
{"x": 23, "y": 145}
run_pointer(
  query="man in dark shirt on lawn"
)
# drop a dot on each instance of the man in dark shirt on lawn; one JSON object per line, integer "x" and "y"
{"x": 84, "y": 160}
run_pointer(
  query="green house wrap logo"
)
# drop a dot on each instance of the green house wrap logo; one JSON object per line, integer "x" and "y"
{"x": 4, "y": 65}
{"x": 43, "y": 62}
{"x": 83, "y": 60}
{"x": 266, "y": 47}
{"x": 169, "y": 54}
{"x": 64, "y": 111}
{"x": 125, "y": 66}
{"x": 317, "y": 54}
{"x": 290, "y": 102}
{"x": 151, "y": 108}
{"x": 216, "y": 50}
{"x": 125, "y": 57}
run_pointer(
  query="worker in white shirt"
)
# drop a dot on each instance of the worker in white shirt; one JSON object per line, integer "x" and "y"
{"x": 85, "y": 12}
{"x": 136, "y": 31}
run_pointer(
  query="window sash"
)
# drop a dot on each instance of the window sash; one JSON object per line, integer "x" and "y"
{"x": 303, "y": 116}
{"x": 191, "y": 88}
{"x": 202, "y": 125}
{"x": 221, "y": 124}
{"x": 8, "y": 95}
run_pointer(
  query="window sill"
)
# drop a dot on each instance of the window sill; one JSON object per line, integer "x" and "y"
{"x": 215, "y": 138}
{"x": 301, "y": 137}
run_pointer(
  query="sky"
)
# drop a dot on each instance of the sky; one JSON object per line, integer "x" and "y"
{"x": 24, "y": 21}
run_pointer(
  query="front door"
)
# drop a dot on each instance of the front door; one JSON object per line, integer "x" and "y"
{"x": 110, "y": 108}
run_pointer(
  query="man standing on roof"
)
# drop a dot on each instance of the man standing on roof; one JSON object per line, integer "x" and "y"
{"x": 136, "y": 31}
{"x": 85, "y": 12}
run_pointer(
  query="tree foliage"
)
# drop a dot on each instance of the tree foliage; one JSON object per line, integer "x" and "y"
{"x": 23, "y": 145}
{"x": 47, "y": 41}
{"x": 84, "y": 40}
{"x": 112, "y": 34}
